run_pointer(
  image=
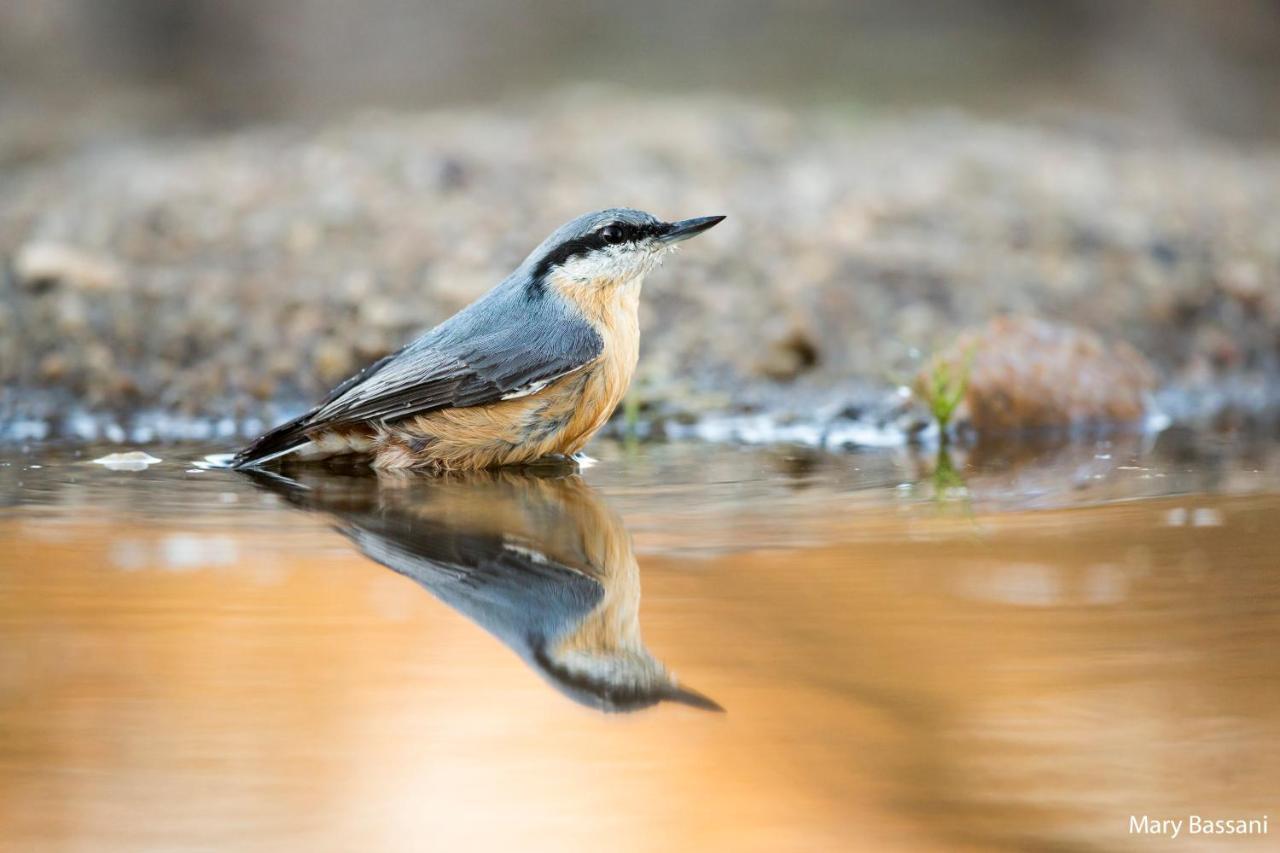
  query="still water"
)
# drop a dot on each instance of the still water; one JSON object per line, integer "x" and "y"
{"x": 680, "y": 647}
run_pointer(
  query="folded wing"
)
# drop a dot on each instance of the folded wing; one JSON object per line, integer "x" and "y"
{"x": 468, "y": 361}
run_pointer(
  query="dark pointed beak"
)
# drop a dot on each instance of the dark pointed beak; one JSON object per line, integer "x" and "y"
{"x": 686, "y": 228}
{"x": 683, "y": 695}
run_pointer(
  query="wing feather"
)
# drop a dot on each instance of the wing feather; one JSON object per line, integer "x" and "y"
{"x": 427, "y": 378}
{"x": 506, "y": 345}
{"x": 456, "y": 365}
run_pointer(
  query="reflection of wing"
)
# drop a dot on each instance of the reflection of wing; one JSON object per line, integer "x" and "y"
{"x": 536, "y": 560}
{"x": 469, "y": 360}
{"x": 512, "y": 591}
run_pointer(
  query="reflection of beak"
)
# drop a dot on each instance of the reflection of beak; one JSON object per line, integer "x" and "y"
{"x": 683, "y": 695}
{"x": 686, "y": 228}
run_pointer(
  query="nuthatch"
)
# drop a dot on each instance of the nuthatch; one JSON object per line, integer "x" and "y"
{"x": 531, "y": 369}
{"x": 533, "y": 557}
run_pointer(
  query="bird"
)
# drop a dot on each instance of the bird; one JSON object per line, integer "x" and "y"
{"x": 532, "y": 555}
{"x": 531, "y": 369}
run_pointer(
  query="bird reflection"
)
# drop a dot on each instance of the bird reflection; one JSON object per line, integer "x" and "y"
{"x": 533, "y": 556}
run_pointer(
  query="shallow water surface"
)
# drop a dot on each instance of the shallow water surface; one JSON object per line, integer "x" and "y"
{"x": 683, "y": 646}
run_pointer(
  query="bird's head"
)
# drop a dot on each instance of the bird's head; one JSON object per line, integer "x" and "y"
{"x": 616, "y": 679}
{"x": 609, "y": 247}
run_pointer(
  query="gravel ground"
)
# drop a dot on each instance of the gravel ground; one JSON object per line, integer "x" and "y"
{"x": 240, "y": 275}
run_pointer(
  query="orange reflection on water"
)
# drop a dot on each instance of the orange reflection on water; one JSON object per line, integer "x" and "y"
{"x": 918, "y": 681}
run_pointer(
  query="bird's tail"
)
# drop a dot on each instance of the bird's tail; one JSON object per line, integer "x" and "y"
{"x": 286, "y": 438}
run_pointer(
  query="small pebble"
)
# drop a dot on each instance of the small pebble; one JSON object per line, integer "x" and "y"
{"x": 133, "y": 460}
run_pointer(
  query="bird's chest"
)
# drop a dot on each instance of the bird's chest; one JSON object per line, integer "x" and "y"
{"x": 610, "y": 376}
{"x": 587, "y": 398}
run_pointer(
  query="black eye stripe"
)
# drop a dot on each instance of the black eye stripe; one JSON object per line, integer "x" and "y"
{"x": 649, "y": 229}
{"x": 631, "y": 233}
{"x": 593, "y": 241}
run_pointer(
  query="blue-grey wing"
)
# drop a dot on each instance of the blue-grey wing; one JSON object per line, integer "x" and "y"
{"x": 471, "y": 361}
{"x": 506, "y": 345}
{"x": 523, "y": 597}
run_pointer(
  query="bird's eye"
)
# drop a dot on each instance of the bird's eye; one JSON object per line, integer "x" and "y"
{"x": 611, "y": 234}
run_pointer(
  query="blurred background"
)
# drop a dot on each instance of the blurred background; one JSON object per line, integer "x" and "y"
{"x": 1178, "y": 64}
{"x": 289, "y": 190}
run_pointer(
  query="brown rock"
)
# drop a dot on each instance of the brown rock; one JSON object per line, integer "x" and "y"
{"x": 1032, "y": 374}
{"x": 787, "y": 357}
{"x": 53, "y": 367}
